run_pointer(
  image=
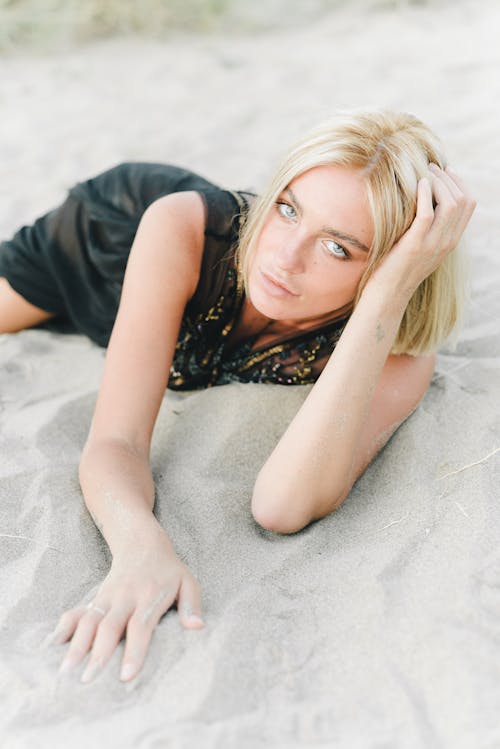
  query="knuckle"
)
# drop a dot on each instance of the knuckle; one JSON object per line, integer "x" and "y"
{"x": 144, "y": 618}
{"x": 97, "y": 660}
{"x": 450, "y": 205}
{"x": 151, "y": 590}
{"x": 91, "y": 616}
{"x": 141, "y": 623}
{"x": 112, "y": 624}
{"x": 150, "y": 610}
{"x": 424, "y": 220}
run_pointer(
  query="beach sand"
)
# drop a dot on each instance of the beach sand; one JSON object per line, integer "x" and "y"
{"x": 374, "y": 628}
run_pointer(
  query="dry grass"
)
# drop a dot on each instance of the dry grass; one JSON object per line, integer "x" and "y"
{"x": 47, "y": 25}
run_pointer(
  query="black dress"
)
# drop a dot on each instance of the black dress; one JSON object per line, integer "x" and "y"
{"x": 71, "y": 262}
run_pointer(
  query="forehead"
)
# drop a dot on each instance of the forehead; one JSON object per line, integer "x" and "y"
{"x": 335, "y": 196}
{"x": 331, "y": 182}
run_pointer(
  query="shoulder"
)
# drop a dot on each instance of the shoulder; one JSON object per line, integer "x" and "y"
{"x": 173, "y": 231}
{"x": 187, "y": 207}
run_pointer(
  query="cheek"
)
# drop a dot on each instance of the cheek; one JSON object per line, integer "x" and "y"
{"x": 261, "y": 248}
{"x": 265, "y": 239}
{"x": 339, "y": 273}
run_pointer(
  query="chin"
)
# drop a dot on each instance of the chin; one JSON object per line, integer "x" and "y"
{"x": 275, "y": 309}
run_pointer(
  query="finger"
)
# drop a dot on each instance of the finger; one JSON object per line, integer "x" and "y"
{"x": 424, "y": 198}
{"x": 451, "y": 218}
{"x": 189, "y": 603}
{"x": 470, "y": 203}
{"x": 108, "y": 635}
{"x": 139, "y": 632}
{"x": 67, "y": 624}
{"x": 81, "y": 640}
{"x": 456, "y": 179}
{"x": 424, "y": 214}
{"x": 465, "y": 202}
{"x": 446, "y": 213}
{"x": 452, "y": 186}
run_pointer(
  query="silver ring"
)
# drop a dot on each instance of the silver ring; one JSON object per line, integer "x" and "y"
{"x": 96, "y": 608}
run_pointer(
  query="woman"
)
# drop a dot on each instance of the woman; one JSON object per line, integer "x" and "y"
{"x": 342, "y": 273}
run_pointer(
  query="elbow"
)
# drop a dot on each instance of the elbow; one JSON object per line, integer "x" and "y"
{"x": 277, "y": 522}
{"x": 271, "y": 512}
{"x": 86, "y": 457}
{"x": 291, "y": 513}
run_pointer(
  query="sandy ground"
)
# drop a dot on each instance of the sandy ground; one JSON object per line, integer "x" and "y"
{"x": 375, "y": 628}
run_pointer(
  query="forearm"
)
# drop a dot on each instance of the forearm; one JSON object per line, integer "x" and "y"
{"x": 315, "y": 456}
{"x": 118, "y": 489}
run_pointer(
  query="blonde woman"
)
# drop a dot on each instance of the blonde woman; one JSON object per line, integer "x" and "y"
{"x": 342, "y": 273}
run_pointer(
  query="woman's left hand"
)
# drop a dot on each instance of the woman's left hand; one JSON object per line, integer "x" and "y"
{"x": 435, "y": 231}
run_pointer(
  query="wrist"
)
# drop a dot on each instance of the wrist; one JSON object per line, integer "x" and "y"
{"x": 392, "y": 290}
{"x": 146, "y": 545}
{"x": 138, "y": 529}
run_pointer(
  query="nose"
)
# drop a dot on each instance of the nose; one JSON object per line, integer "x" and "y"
{"x": 290, "y": 255}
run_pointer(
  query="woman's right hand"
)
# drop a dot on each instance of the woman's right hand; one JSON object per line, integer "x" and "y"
{"x": 140, "y": 587}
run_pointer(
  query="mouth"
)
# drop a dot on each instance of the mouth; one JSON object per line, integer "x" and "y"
{"x": 274, "y": 286}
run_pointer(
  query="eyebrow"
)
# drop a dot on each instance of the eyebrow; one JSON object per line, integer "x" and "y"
{"x": 328, "y": 230}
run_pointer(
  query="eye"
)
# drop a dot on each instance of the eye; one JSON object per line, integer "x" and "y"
{"x": 336, "y": 249}
{"x": 285, "y": 209}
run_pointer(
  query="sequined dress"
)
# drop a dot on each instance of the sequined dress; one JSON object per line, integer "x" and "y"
{"x": 72, "y": 260}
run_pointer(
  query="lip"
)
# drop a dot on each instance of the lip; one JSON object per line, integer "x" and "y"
{"x": 274, "y": 286}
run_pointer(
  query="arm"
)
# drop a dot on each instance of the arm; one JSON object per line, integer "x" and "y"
{"x": 146, "y": 576}
{"x": 363, "y": 393}
{"x": 161, "y": 275}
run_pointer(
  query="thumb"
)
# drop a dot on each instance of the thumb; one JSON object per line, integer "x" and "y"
{"x": 189, "y": 603}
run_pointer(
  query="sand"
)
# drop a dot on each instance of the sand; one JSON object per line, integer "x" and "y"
{"x": 374, "y": 628}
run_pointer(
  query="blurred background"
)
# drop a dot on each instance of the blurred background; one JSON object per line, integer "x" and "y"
{"x": 224, "y": 86}
{"x": 45, "y": 24}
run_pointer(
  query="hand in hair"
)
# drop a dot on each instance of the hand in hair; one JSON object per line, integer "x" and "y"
{"x": 444, "y": 209}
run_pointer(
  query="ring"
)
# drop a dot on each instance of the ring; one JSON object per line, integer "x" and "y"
{"x": 96, "y": 608}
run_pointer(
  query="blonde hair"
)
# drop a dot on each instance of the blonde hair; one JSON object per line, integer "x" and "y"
{"x": 392, "y": 150}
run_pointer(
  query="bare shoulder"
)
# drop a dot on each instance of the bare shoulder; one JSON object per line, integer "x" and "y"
{"x": 183, "y": 210}
{"x": 178, "y": 220}
{"x": 188, "y": 205}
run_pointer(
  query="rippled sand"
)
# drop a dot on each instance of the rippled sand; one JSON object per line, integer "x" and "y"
{"x": 375, "y": 627}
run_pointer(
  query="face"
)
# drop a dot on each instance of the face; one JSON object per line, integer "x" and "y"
{"x": 313, "y": 248}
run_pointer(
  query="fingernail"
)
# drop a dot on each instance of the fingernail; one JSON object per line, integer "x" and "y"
{"x": 128, "y": 670}
{"x": 67, "y": 665}
{"x": 90, "y": 672}
{"x": 194, "y": 619}
{"x": 59, "y": 636}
